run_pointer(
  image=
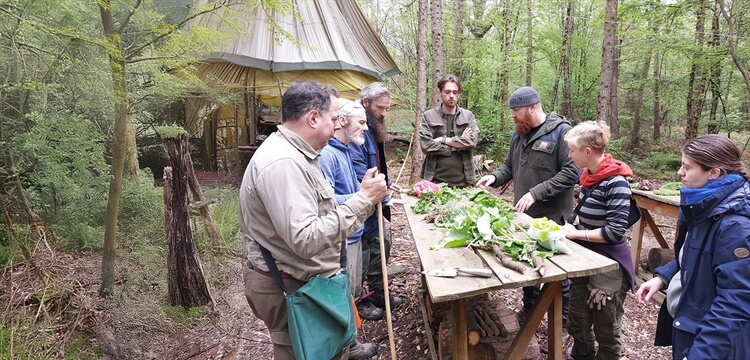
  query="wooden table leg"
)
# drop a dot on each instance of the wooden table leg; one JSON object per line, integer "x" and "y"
{"x": 554, "y": 327}
{"x": 551, "y": 292}
{"x": 637, "y": 239}
{"x": 460, "y": 340}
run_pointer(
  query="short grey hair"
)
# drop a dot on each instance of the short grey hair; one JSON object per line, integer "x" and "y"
{"x": 374, "y": 91}
{"x": 348, "y": 109}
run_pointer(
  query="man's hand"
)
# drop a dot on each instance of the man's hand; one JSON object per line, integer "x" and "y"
{"x": 648, "y": 289}
{"x": 486, "y": 181}
{"x": 525, "y": 203}
{"x": 395, "y": 187}
{"x": 467, "y": 133}
{"x": 373, "y": 186}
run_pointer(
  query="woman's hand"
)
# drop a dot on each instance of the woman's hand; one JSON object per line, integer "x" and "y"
{"x": 648, "y": 289}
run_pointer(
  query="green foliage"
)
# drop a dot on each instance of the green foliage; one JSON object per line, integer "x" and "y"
{"x": 664, "y": 162}
{"x": 190, "y": 317}
{"x": 171, "y": 131}
{"x": 225, "y": 212}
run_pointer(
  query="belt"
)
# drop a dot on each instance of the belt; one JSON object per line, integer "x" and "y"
{"x": 266, "y": 273}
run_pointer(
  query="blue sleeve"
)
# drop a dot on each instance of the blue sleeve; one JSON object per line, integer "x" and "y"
{"x": 729, "y": 314}
{"x": 330, "y": 168}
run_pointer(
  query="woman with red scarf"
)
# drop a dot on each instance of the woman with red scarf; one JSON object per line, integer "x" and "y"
{"x": 599, "y": 224}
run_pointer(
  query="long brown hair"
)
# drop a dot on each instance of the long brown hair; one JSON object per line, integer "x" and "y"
{"x": 716, "y": 151}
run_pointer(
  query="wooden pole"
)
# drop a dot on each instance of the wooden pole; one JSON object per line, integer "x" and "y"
{"x": 384, "y": 267}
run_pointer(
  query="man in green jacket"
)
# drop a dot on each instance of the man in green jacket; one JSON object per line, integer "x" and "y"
{"x": 543, "y": 175}
{"x": 448, "y": 135}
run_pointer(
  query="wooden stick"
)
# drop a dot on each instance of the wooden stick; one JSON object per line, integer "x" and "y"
{"x": 486, "y": 317}
{"x": 507, "y": 261}
{"x": 483, "y": 324}
{"x": 384, "y": 267}
{"x": 500, "y": 325}
{"x": 473, "y": 331}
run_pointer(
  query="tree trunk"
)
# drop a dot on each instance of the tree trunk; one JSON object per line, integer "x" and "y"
{"x": 741, "y": 65}
{"x": 614, "y": 112}
{"x": 635, "y": 131}
{"x": 458, "y": 39}
{"x": 505, "y": 70}
{"x": 117, "y": 67}
{"x": 608, "y": 57}
{"x": 697, "y": 80}
{"x": 208, "y": 221}
{"x": 438, "y": 65}
{"x": 656, "y": 134}
{"x": 563, "y": 68}
{"x": 416, "y": 158}
{"x": 714, "y": 82}
{"x": 529, "y": 42}
{"x": 187, "y": 286}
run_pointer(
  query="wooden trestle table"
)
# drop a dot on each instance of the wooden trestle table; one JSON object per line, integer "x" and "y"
{"x": 582, "y": 262}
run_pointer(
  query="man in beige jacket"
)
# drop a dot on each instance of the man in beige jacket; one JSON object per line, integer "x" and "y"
{"x": 288, "y": 207}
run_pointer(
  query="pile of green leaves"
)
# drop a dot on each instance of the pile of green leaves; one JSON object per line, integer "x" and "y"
{"x": 669, "y": 189}
{"x": 489, "y": 221}
{"x": 430, "y": 200}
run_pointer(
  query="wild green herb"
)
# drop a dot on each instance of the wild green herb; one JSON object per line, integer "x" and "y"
{"x": 488, "y": 222}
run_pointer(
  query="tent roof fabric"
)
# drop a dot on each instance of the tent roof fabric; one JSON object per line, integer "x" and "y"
{"x": 329, "y": 35}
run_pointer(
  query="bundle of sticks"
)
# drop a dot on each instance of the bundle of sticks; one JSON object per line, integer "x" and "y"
{"x": 482, "y": 321}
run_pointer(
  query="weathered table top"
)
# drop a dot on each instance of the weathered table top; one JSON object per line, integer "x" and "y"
{"x": 581, "y": 262}
{"x": 670, "y": 200}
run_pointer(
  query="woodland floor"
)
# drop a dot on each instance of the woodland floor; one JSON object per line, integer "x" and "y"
{"x": 132, "y": 326}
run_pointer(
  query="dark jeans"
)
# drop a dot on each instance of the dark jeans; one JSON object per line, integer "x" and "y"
{"x": 531, "y": 293}
{"x": 587, "y": 325}
{"x": 372, "y": 269}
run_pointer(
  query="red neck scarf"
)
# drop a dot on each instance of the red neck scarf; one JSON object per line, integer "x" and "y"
{"x": 608, "y": 167}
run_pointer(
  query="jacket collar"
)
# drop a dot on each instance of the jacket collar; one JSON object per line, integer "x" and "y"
{"x": 732, "y": 199}
{"x": 461, "y": 118}
{"x": 300, "y": 144}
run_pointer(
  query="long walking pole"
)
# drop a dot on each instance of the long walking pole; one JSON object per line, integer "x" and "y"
{"x": 384, "y": 267}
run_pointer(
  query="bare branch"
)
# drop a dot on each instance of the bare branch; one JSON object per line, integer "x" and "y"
{"x": 127, "y": 17}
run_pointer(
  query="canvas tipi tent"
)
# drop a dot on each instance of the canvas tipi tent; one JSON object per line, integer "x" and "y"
{"x": 332, "y": 43}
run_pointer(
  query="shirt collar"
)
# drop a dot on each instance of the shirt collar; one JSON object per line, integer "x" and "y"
{"x": 299, "y": 143}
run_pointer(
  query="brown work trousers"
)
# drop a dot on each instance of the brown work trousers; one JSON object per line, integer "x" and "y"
{"x": 269, "y": 304}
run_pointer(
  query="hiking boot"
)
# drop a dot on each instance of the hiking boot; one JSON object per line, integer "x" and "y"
{"x": 379, "y": 301}
{"x": 369, "y": 311}
{"x": 521, "y": 316}
{"x": 360, "y": 351}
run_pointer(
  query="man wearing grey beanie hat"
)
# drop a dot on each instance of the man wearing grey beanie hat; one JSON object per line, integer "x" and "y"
{"x": 543, "y": 175}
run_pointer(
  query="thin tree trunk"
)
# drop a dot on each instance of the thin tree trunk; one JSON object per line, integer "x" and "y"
{"x": 635, "y": 140}
{"x": 567, "y": 98}
{"x": 614, "y": 113}
{"x": 505, "y": 70}
{"x": 187, "y": 285}
{"x": 438, "y": 64}
{"x": 416, "y": 158}
{"x": 458, "y": 38}
{"x": 117, "y": 67}
{"x": 608, "y": 55}
{"x": 741, "y": 65}
{"x": 529, "y": 42}
{"x": 656, "y": 134}
{"x": 208, "y": 221}
{"x": 697, "y": 81}
{"x": 715, "y": 76}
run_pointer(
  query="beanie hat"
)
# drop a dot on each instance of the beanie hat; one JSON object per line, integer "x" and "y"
{"x": 524, "y": 96}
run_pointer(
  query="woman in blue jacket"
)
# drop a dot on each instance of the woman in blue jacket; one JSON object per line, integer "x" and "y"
{"x": 706, "y": 314}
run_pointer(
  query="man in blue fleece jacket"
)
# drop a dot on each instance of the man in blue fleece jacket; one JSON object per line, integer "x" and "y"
{"x": 337, "y": 167}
